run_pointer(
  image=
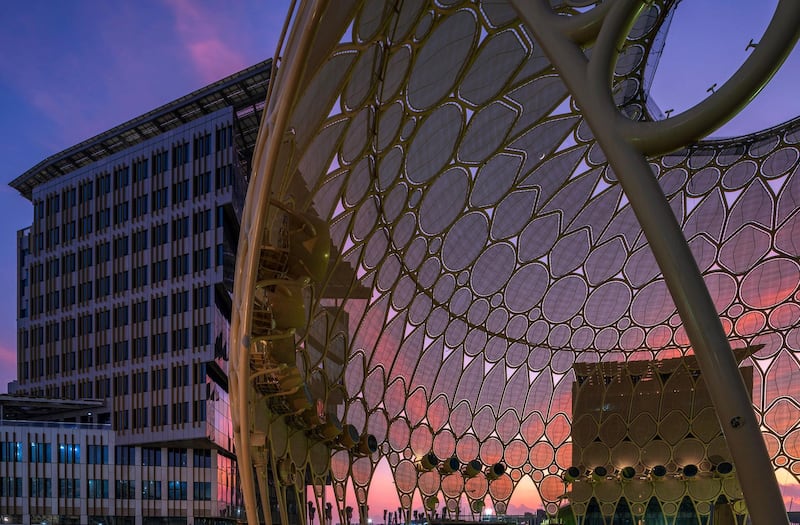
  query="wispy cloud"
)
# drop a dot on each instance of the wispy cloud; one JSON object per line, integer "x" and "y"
{"x": 203, "y": 37}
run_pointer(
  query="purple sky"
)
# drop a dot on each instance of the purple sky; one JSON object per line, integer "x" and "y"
{"x": 70, "y": 70}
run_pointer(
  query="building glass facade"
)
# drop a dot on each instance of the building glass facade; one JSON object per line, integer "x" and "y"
{"x": 124, "y": 298}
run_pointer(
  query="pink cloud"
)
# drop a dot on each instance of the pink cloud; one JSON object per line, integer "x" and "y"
{"x": 214, "y": 60}
{"x": 202, "y": 35}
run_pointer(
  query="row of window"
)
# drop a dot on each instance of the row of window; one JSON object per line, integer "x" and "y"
{"x": 120, "y": 316}
{"x": 70, "y": 453}
{"x": 125, "y": 280}
{"x": 143, "y": 417}
{"x": 117, "y": 352}
{"x": 70, "y": 488}
{"x": 159, "y": 235}
{"x": 159, "y": 161}
{"x": 84, "y": 226}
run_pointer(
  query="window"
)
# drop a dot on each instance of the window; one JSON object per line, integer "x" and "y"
{"x": 103, "y": 388}
{"x": 180, "y": 192}
{"x": 121, "y": 420}
{"x": 140, "y": 418}
{"x": 160, "y": 162}
{"x": 180, "y": 228}
{"x": 125, "y": 489}
{"x": 159, "y": 343}
{"x": 224, "y": 177}
{"x": 98, "y": 488}
{"x": 103, "y": 320}
{"x": 201, "y": 184}
{"x": 121, "y": 176}
{"x": 202, "y": 335}
{"x": 139, "y": 206}
{"x": 103, "y": 357}
{"x": 224, "y": 137}
{"x": 160, "y": 234}
{"x": 151, "y": 489}
{"x": 140, "y": 171}
{"x": 139, "y": 382}
{"x": 180, "y": 154}
{"x": 139, "y": 241}
{"x": 159, "y": 199}
{"x": 40, "y": 453}
{"x": 85, "y": 225}
{"x": 201, "y": 221}
{"x": 68, "y": 196}
{"x": 202, "y": 491}
{"x": 202, "y": 146}
{"x": 120, "y": 247}
{"x": 120, "y": 385}
{"x": 180, "y": 340}
{"x": 121, "y": 212}
{"x": 159, "y": 306}
{"x": 140, "y": 276}
{"x": 180, "y": 302}
{"x": 121, "y": 281}
{"x": 85, "y": 324}
{"x": 103, "y": 250}
{"x": 69, "y": 453}
{"x": 199, "y": 408}
{"x": 68, "y": 231}
{"x": 69, "y": 488}
{"x": 159, "y": 415}
{"x": 102, "y": 286}
{"x": 180, "y": 265}
{"x": 151, "y": 457}
{"x": 102, "y": 219}
{"x": 201, "y": 259}
{"x": 199, "y": 372}
{"x": 180, "y": 375}
{"x": 85, "y": 192}
{"x": 84, "y": 258}
{"x": 140, "y": 311}
{"x": 176, "y": 457}
{"x": 97, "y": 455}
{"x": 158, "y": 377}
{"x": 121, "y": 354}
{"x": 160, "y": 271}
{"x": 11, "y": 487}
{"x": 202, "y": 458}
{"x": 201, "y": 297}
{"x": 85, "y": 294}
{"x": 124, "y": 455}
{"x": 103, "y": 184}
{"x": 68, "y": 263}
{"x": 139, "y": 347}
{"x": 40, "y": 488}
{"x": 10, "y": 452}
{"x": 121, "y": 316}
{"x": 68, "y": 328}
{"x": 180, "y": 412}
{"x": 177, "y": 490}
{"x": 67, "y": 296}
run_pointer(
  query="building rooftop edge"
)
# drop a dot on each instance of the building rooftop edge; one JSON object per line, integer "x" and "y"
{"x": 234, "y": 90}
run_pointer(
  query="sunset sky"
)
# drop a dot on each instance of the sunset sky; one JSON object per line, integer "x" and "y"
{"x": 70, "y": 70}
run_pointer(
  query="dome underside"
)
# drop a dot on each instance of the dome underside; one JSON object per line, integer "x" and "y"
{"x": 489, "y": 246}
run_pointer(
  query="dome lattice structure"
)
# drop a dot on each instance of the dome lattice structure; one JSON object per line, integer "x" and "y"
{"x": 434, "y": 239}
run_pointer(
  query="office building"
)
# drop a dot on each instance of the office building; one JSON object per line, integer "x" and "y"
{"x": 124, "y": 298}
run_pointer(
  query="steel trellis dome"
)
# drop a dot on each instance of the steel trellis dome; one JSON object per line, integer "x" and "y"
{"x": 480, "y": 248}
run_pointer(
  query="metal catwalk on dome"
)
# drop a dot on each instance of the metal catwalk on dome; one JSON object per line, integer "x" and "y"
{"x": 459, "y": 211}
